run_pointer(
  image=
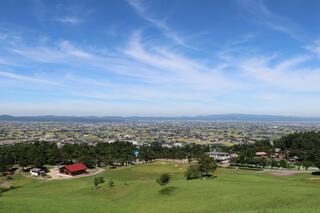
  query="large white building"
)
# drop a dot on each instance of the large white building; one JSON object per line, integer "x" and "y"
{"x": 220, "y": 157}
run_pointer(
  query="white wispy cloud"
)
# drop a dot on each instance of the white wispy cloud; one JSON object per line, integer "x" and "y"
{"x": 42, "y": 54}
{"x": 263, "y": 15}
{"x": 314, "y": 47}
{"x": 181, "y": 69}
{"x": 153, "y": 73}
{"x": 142, "y": 10}
{"x": 61, "y": 52}
{"x": 156, "y": 72}
{"x": 288, "y": 74}
{"x": 158, "y": 66}
{"x": 242, "y": 40}
{"x": 5, "y": 61}
{"x": 74, "y": 51}
{"x": 7, "y": 36}
{"x": 69, "y": 20}
{"x": 25, "y": 78}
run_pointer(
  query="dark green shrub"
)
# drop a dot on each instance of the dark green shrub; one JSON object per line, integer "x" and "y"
{"x": 193, "y": 172}
{"x": 98, "y": 180}
{"x": 164, "y": 179}
{"x": 111, "y": 184}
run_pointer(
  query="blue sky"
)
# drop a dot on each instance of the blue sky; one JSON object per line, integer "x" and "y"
{"x": 166, "y": 57}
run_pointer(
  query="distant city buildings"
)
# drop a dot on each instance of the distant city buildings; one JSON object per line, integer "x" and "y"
{"x": 169, "y": 134}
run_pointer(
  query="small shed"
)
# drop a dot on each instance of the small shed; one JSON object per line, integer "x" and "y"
{"x": 36, "y": 171}
{"x": 73, "y": 169}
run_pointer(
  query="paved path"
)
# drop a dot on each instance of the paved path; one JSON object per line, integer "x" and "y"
{"x": 56, "y": 175}
{"x": 277, "y": 172}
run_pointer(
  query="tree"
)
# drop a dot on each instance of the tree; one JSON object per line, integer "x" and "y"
{"x": 39, "y": 154}
{"x": 67, "y": 153}
{"x": 274, "y": 164}
{"x": 164, "y": 179}
{"x": 111, "y": 184}
{"x": 207, "y": 165}
{"x": 304, "y": 145}
{"x": 146, "y": 154}
{"x": 306, "y": 164}
{"x": 53, "y": 154}
{"x": 299, "y": 164}
{"x": 193, "y": 172}
{"x": 4, "y": 159}
{"x": 24, "y": 157}
{"x": 88, "y": 160}
{"x": 317, "y": 161}
{"x": 283, "y": 164}
{"x": 98, "y": 180}
{"x": 263, "y": 161}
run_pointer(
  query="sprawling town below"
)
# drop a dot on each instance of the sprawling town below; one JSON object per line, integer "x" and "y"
{"x": 168, "y": 133}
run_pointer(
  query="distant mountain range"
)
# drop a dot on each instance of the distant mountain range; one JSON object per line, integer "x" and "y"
{"x": 221, "y": 117}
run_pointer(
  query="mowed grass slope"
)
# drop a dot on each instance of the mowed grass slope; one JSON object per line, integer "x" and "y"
{"x": 136, "y": 190}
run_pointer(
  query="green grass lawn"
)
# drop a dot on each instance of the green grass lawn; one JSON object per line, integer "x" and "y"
{"x": 136, "y": 190}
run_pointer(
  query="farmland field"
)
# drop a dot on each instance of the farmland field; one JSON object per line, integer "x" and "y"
{"x": 136, "y": 190}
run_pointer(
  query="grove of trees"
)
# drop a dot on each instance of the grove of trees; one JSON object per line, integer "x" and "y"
{"x": 38, "y": 154}
{"x": 303, "y": 146}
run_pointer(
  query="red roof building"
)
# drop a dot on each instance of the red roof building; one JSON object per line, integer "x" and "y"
{"x": 74, "y": 169}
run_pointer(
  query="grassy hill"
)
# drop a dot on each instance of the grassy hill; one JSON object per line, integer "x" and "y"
{"x": 136, "y": 190}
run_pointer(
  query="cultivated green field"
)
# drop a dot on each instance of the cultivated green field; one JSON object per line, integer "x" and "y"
{"x": 136, "y": 190}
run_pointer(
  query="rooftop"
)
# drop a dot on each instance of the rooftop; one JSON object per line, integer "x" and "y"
{"x": 75, "y": 167}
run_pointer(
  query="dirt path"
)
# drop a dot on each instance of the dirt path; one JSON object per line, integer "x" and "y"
{"x": 4, "y": 184}
{"x": 284, "y": 172}
{"x": 56, "y": 175}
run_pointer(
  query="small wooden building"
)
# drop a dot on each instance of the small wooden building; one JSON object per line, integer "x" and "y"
{"x": 73, "y": 169}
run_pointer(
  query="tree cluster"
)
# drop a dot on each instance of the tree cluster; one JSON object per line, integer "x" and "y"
{"x": 156, "y": 151}
{"x": 204, "y": 167}
{"x": 303, "y": 146}
{"x": 38, "y": 154}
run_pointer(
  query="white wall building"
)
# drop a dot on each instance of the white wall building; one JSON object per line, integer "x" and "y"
{"x": 220, "y": 157}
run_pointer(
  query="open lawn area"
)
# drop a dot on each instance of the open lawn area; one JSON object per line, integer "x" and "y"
{"x": 135, "y": 190}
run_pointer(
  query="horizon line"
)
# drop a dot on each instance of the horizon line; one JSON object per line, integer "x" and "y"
{"x": 162, "y": 116}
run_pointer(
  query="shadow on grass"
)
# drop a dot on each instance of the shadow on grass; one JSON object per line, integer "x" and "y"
{"x": 210, "y": 177}
{"x": 168, "y": 190}
{"x": 6, "y": 189}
